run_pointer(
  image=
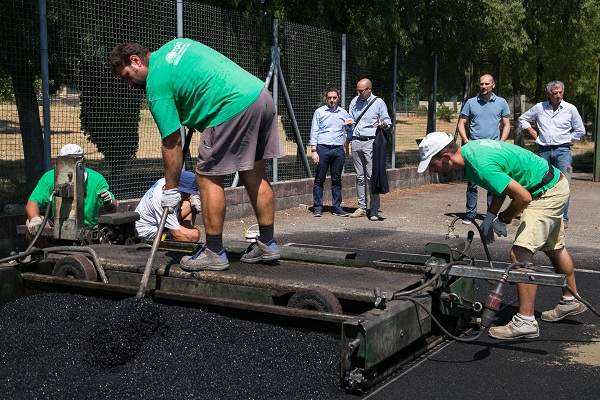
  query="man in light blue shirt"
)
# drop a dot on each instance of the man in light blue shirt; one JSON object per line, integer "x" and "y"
{"x": 484, "y": 112}
{"x": 362, "y": 139}
{"x": 558, "y": 124}
{"x": 327, "y": 139}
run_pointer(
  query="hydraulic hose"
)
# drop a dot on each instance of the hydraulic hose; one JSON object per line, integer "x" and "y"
{"x": 30, "y": 249}
{"x": 428, "y": 283}
{"x": 580, "y": 299}
{"x": 485, "y": 247}
{"x": 83, "y": 249}
{"x": 438, "y": 323}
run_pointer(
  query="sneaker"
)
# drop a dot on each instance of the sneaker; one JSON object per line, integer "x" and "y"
{"x": 259, "y": 251}
{"x": 339, "y": 212}
{"x": 374, "y": 217}
{"x": 205, "y": 259}
{"x": 517, "y": 328}
{"x": 359, "y": 212}
{"x": 317, "y": 213}
{"x": 564, "y": 309}
{"x": 467, "y": 221}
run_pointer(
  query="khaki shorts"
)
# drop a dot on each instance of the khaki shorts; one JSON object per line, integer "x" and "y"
{"x": 541, "y": 226}
{"x": 235, "y": 145}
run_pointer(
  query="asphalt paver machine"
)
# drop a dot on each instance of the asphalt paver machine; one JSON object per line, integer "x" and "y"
{"x": 387, "y": 308}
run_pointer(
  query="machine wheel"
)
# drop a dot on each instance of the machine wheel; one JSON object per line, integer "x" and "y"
{"x": 315, "y": 299}
{"x": 75, "y": 266}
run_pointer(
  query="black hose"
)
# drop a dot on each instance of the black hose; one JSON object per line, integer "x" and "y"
{"x": 438, "y": 323}
{"x": 83, "y": 249}
{"x": 580, "y": 299}
{"x": 485, "y": 247}
{"x": 30, "y": 249}
{"x": 427, "y": 283}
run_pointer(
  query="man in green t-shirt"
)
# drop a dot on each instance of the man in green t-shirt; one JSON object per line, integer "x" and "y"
{"x": 96, "y": 196}
{"x": 538, "y": 191}
{"x": 190, "y": 84}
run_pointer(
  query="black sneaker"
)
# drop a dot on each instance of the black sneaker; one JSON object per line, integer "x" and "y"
{"x": 339, "y": 212}
{"x": 317, "y": 213}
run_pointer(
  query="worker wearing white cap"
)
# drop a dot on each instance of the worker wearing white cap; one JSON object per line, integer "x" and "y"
{"x": 538, "y": 192}
{"x": 180, "y": 223}
{"x": 96, "y": 196}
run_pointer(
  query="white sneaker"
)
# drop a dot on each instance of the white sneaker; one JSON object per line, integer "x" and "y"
{"x": 517, "y": 328}
{"x": 467, "y": 221}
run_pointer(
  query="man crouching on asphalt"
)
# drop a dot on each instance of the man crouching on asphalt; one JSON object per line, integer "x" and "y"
{"x": 538, "y": 191}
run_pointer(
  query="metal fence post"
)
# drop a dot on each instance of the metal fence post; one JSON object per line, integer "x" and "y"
{"x": 597, "y": 130}
{"x": 394, "y": 105}
{"x": 179, "y": 11}
{"x": 275, "y": 86}
{"x": 343, "y": 88}
{"x": 45, "y": 82}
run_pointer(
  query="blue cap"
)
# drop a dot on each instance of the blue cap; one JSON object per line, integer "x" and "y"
{"x": 187, "y": 182}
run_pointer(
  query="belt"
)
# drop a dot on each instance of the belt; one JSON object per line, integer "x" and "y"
{"x": 330, "y": 146}
{"x": 546, "y": 179}
{"x": 553, "y": 146}
{"x": 363, "y": 138}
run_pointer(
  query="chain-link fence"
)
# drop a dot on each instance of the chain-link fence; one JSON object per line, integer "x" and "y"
{"x": 90, "y": 106}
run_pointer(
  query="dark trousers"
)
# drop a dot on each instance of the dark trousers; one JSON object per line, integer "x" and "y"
{"x": 472, "y": 200}
{"x": 330, "y": 158}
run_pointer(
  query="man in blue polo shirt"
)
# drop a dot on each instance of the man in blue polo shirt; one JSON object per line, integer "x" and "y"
{"x": 327, "y": 138}
{"x": 484, "y": 113}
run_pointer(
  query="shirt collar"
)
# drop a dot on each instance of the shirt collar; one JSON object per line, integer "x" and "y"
{"x": 548, "y": 105}
{"x": 492, "y": 97}
{"x": 368, "y": 99}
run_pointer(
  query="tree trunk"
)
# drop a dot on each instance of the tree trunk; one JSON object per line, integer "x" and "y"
{"x": 31, "y": 129}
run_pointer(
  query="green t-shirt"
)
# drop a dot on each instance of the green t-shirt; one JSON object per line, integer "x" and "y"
{"x": 492, "y": 164}
{"x": 94, "y": 184}
{"x": 191, "y": 84}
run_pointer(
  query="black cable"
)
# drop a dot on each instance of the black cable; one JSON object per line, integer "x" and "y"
{"x": 30, "y": 249}
{"x": 438, "y": 323}
{"x": 427, "y": 283}
{"x": 580, "y": 299}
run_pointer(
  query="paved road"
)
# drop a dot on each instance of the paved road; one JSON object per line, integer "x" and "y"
{"x": 563, "y": 362}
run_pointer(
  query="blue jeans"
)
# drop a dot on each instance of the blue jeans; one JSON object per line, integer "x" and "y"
{"x": 471, "y": 212}
{"x": 330, "y": 157}
{"x": 560, "y": 157}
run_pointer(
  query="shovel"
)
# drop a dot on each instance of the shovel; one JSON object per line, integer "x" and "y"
{"x": 144, "y": 283}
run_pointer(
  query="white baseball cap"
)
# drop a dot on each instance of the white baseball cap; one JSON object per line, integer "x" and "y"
{"x": 71, "y": 149}
{"x": 432, "y": 144}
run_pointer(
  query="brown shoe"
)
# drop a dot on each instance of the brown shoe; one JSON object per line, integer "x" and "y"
{"x": 359, "y": 212}
{"x": 564, "y": 309}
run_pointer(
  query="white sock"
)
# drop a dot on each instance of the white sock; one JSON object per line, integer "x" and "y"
{"x": 528, "y": 318}
{"x": 567, "y": 298}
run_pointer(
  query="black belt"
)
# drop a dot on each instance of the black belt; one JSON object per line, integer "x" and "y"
{"x": 554, "y": 146}
{"x": 545, "y": 180}
{"x": 330, "y": 146}
{"x": 363, "y": 138}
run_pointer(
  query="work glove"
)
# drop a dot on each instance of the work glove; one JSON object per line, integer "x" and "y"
{"x": 105, "y": 196}
{"x": 499, "y": 227}
{"x": 33, "y": 224}
{"x": 487, "y": 229}
{"x": 195, "y": 202}
{"x": 170, "y": 198}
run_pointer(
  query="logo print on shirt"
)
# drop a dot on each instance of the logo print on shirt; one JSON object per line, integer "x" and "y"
{"x": 174, "y": 56}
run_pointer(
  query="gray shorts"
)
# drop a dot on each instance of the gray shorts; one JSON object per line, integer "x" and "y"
{"x": 235, "y": 145}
